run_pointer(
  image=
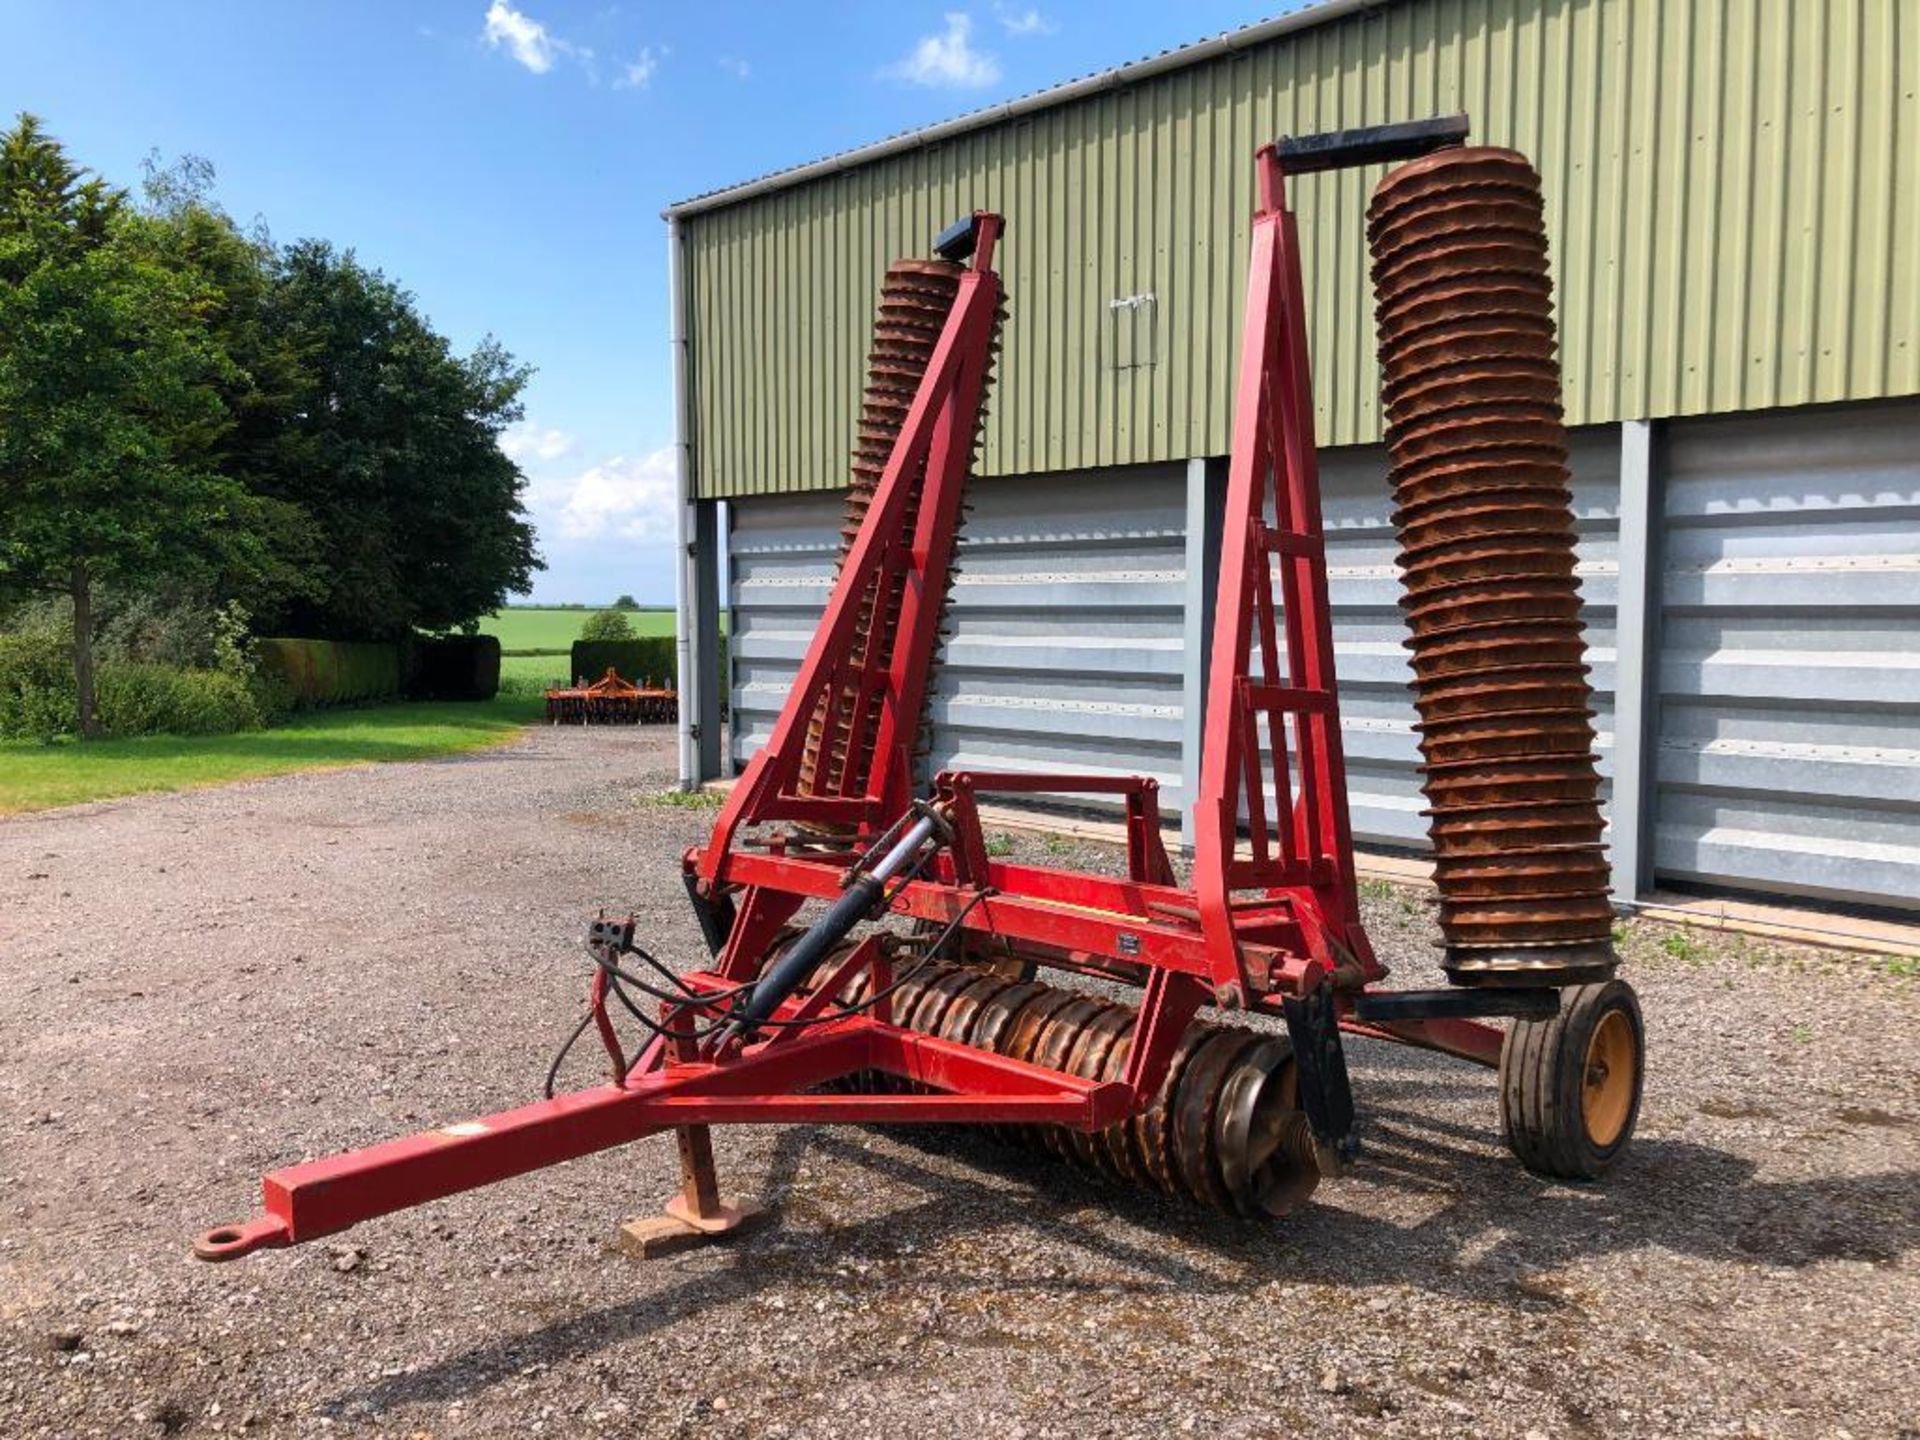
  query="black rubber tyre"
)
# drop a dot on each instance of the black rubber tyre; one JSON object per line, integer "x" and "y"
{"x": 1566, "y": 1109}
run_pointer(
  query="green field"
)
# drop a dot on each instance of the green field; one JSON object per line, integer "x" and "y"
{"x": 37, "y": 777}
{"x": 551, "y": 634}
{"x": 544, "y": 637}
{"x": 547, "y": 671}
{"x": 556, "y": 630}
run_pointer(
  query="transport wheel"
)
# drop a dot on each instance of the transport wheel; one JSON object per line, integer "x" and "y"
{"x": 1570, "y": 1086}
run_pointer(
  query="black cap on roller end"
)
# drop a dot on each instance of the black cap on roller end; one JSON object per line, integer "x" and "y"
{"x": 1369, "y": 144}
{"x": 956, "y": 242}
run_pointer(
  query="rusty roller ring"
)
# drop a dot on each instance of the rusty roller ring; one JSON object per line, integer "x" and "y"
{"x": 1445, "y": 743}
{"x": 1510, "y": 527}
{"x": 1262, "y": 1139}
{"x": 1084, "y": 1054}
{"x": 997, "y": 1015}
{"x": 1418, "y": 390}
{"x": 1488, "y": 660}
{"x": 1507, "y": 692}
{"x": 1196, "y": 1106}
{"x": 1021, "y": 1039}
{"x": 1486, "y": 251}
{"x": 1420, "y": 494}
{"x": 1486, "y": 747}
{"x": 1469, "y": 330}
{"x": 1477, "y": 175}
{"x": 1494, "y": 829}
{"x": 1535, "y": 923}
{"x": 1447, "y": 219}
{"x": 1114, "y": 1148}
{"x": 1436, "y": 312}
{"x": 1530, "y": 786}
{"x": 1533, "y": 600}
{"x": 1505, "y": 567}
{"x": 1446, "y": 647}
{"x": 1462, "y": 214}
{"x": 1563, "y": 905}
{"x": 1514, "y": 388}
{"x": 1151, "y": 1127}
{"x": 1480, "y": 441}
{"x": 930, "y": 1014}
{"x": 1491, "y": 557}
{"x": 1512, "y": 697}
{"x": 1112, "y": 1031}
{"x": 1448, "y": 658}
{"x": 1473, "y": 429}
{"x": 1448, "y": 606}
{"x": 1504, "y": 877}
{"x": 964, "y": 1014}
{"x": 1065, "y": 1034}
{"x": 1504, "y": 673}
{"x": 1468, "y": 514}
{"x": 1524, "y": 299}
{"x": 1444, "y": 169}
{"x": 1414, "y": 303}
{"x": 1052, "y": 1043}
{"x": 1452, "y": 355}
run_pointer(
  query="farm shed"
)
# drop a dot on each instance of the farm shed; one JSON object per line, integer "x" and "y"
{"x": 1731, "y": 190}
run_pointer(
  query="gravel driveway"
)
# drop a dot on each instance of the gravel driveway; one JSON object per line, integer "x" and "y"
{"x": 196, "y": 988}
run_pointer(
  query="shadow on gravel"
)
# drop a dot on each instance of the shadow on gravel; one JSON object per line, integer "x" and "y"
{"x": 1492, "y": 1232}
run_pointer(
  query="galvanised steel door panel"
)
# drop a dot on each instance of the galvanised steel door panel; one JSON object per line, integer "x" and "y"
{"x": 1064, "y": 622}
{"x": 1789, "y": 671}
{"x": 1376, "y": 696}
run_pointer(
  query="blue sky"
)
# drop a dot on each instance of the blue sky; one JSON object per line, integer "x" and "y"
{"x": 507, "y": 160}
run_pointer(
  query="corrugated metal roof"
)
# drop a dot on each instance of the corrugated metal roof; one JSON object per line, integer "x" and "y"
{"x": 1733, "y": 201}
{"x": 1064, "y": 93}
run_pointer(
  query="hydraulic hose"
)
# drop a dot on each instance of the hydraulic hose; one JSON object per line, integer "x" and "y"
{"x": 863, "y": 896}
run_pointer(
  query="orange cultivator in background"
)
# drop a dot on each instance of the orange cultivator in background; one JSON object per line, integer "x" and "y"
{"x": 611, "y": 700}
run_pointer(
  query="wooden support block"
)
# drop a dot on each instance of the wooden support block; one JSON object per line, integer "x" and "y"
{"x": 653, "y": 1236}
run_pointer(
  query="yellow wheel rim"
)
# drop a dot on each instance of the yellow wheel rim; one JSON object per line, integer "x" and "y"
{"x": 1607, "y": 1089}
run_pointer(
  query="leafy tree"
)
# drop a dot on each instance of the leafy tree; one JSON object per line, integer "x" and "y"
{"x": 626, "y": 602}
{"x": 260, "y": 388}
{"x": 109, "y": 404}
{"x": 607, "y": 625}
{"x": 391, "y": 450}
{"x": 190, "y": 412}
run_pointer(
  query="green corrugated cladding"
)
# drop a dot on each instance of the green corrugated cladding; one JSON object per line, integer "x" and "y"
{"x": 1731, "y": 191}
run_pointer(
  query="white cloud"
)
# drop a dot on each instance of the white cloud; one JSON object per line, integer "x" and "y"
{"x": 736, "y": 67}
{"x": 523, "y": 37}
{"x": 523, "y": 441}
{"x": 947, "y": 59}
{"x": 640, "y": 69}
{"x": 629, "y": 498}
{"x": 1023, "y": 22}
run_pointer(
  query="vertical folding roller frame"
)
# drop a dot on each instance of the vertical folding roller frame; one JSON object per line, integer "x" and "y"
{"x": 810, "y": 1012}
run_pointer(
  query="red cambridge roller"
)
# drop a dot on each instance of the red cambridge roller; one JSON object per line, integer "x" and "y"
{"x": 1485, "y": 521}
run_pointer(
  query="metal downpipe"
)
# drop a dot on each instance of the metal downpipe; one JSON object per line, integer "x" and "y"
{"x": 686, "y": 663}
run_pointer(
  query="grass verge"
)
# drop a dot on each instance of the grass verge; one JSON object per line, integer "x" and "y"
{"x": 40, "y": 777}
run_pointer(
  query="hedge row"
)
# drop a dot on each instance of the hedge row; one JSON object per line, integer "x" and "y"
{"x": 348, "y": 672}
{"x": 455, "y": 667}
{"x": 651, "y": 658}
{"x": 37, "y": 690}
{"x": 333, "y": 672}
